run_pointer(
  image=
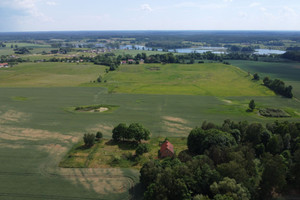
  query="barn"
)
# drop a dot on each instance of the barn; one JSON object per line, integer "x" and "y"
{"x": 166, "y": 149}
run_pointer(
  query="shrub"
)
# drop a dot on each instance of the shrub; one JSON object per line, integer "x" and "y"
{"x": 89, "y": 139}
{"x": 99, "y": 135}
{"x": 141, "y": 149}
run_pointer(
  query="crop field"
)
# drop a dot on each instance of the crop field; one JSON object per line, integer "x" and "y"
{"x": 289, "y": 72}
{"x": 37, "y": 129}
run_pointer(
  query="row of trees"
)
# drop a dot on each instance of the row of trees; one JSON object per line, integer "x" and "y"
{"x": 278, "y": 87}
{"x": 135, "y": 131}
{"x": 233, "y": 161}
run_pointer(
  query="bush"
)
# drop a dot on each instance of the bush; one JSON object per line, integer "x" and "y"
{"x": 89, "y": 139}
{"x": 141, "y": 149}
{"x": 99, "y": 135}
{"x": 252, "y": 105}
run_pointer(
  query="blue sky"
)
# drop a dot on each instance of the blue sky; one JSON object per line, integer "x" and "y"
{"x": 60, "y": 15}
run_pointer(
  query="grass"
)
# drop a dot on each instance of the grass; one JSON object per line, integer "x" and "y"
{"x": 211, "y": 79}
{"x": 107, "y": 153}
{"x": 289, "y": 72}
{"x": 49, "y": 74}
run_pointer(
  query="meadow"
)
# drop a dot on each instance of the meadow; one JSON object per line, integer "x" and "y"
{"x": 211, "y": 79}
{"x": 37, "y": 129}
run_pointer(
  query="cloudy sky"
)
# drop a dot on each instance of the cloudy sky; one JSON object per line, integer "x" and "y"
{"x": 59, "y": 15}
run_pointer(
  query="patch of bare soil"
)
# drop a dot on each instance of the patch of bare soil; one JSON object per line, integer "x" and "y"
{"x": 102, "y": 181}
{"x": 101, "y": 109}
{"x": 104, "y": 128}
{"x": 175, "y": 119}
{"x": 175, "y": 125}
{"x": 12, "y": 116}
{"x": 227, "y": 101}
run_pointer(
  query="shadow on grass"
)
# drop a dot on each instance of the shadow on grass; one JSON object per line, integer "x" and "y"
{"x": 83, "y": 147}
{"x": 136, "y": 192}
{"x": 124, "y": 145}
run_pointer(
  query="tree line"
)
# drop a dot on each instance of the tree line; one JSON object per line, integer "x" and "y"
{"x": 278, "y": 87}
{"x": 237, "y": 160}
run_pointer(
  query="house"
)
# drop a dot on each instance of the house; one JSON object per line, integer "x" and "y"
{"x": 131, "y": 61}
{"x": 3, "y": 65}
{"x": 123, "y": 62}
{"x": 166, "y": 150}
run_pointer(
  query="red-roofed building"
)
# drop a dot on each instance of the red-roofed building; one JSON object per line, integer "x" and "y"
{"x": 3, "y": 65}
{"x": 166, "y": 149}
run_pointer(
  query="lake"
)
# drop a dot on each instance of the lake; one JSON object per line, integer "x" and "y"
{"x": 203, "y": 49}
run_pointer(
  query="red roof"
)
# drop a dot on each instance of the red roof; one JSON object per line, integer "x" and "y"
{"x": 3, "y": 63}
{"x": 167, "y": 146}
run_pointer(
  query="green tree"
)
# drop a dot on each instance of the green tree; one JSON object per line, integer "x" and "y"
{"x": 252, "y": 105}
{"x": 138, "y": 132}
{"x": 99, "y": 79}
{"x": 230, "y": 188}
{"x": 99, "y": 135}
{"x": 119, "y": 132}
{"x": 273, "y": 176}
{"x": 141, "y": 149}
{"x": 255, "y": 77}
{"x": 89, "y": 139}
{"x": 200, "y": 140}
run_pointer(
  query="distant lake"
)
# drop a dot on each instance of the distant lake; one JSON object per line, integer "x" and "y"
{"x": 268, "y": 51}
{"x": 215, "y": 50}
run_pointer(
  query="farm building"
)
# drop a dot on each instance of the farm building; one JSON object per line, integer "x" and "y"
{"x": 166, "y": 150}
{"x": 3, "y": 65}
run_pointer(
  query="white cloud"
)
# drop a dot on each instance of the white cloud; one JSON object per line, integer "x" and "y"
{"x": 51, "y": 3}
{"x": 29, "y": 7}
{"x": 146, "y": 7}
{"x": 228, "y": 1}
{"x": 254, "y": 4}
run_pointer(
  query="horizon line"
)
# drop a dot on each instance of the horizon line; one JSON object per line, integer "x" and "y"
{"x": 156, "y": 30}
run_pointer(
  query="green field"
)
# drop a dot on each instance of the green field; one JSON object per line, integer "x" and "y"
{"x": 49, "y": 74}
{"x": 209, "y": 79}
{"x": 37, "y": 130}
{"x": 289, "y": 72}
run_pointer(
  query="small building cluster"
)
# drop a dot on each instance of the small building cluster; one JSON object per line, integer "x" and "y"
{"x": 3, "y": 65}
{"x": 132, "y": 61}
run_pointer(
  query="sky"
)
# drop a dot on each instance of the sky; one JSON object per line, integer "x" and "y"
{"x": 73, "y": 15}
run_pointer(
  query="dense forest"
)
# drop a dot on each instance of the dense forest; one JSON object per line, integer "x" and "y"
{"x": 229, "y": 162}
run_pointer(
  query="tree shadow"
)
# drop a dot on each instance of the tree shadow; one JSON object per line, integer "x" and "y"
{"x": 124, "y": 145}
{"x": 136, "y": 192}
{"x": 83, "y": 147}
{"x": 127, "y": 145}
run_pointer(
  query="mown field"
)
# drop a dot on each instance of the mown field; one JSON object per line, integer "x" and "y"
{"x": 49, "y": 74}
{"x": 37, "y": 129}
{"x": 211, "y": 79}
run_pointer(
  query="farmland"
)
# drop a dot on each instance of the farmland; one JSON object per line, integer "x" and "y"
{"x": 38, "y": 129}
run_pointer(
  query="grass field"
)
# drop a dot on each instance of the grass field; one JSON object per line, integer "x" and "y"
{"x": 37, "y": 130}
{"x": 289, "y": 72}
{"x": 49, "y": 74}
{"x": 211, "y": 79}
{"x": 107, "y": 153}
